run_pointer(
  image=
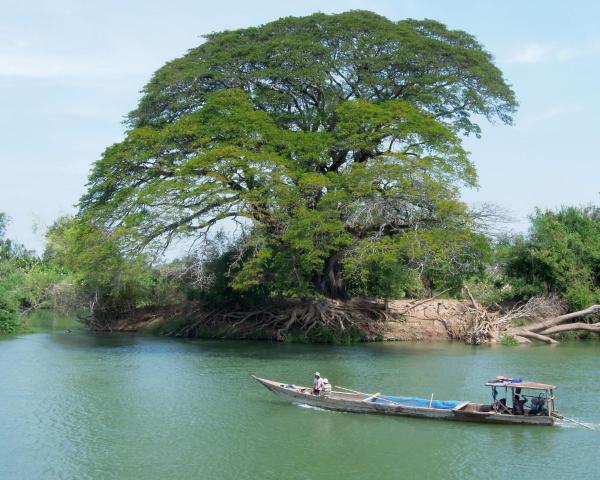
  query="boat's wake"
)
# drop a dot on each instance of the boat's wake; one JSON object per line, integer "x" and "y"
{"x": 580, "y": 424}
{"x": 311, "y": 407}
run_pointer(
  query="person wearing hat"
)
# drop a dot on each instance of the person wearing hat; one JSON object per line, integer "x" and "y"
{"x": 318, "y": 385}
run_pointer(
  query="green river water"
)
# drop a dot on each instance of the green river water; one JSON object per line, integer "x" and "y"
{"x": 124, "y": 406}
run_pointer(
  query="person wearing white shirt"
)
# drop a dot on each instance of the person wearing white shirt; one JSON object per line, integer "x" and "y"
{"x": 318, "y": 385}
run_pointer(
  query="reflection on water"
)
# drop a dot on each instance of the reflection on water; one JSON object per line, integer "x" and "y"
{"x": 46, "y": 321}
{"x": 84, "y": 405}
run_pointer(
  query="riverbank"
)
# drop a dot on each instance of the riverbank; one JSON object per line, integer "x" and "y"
{"x": 406, "y": 320}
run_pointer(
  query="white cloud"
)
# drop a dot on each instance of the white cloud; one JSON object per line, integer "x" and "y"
{"x": 549, "y": 114}
{"x": 570, "y": 53}
{"x": 532, "y": 53}
{"x": 18, "y": 66}
{"x": 38, "y": 66}
{"x": 539, "y": 53}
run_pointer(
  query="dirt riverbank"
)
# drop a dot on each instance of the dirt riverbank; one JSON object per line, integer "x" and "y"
{"x": 433, "y": 320}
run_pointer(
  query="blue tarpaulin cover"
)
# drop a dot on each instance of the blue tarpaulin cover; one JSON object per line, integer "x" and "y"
{"x": 418, "y": 402}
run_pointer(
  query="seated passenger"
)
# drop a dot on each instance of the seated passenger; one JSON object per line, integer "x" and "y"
{"x": 518, "y": 403}
{"x": 500, "y": 406}
{"x": 537, "y": 405}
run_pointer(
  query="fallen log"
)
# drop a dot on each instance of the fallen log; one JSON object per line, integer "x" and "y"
{"x": 521, "y": 339}
{"x": 571, "y": 327}
{"x": 543, "y": 330}
{"x": 535, "y": 336}
{"x": 550, "y": 322}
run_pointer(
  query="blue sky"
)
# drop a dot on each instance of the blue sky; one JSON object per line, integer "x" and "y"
{"x": 70, "y": 70}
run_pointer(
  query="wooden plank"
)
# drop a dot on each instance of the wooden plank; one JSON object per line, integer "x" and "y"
{"x": 460, "y": 405}
{"x": 368, "y": 399}
{"x": 353, "y": 391}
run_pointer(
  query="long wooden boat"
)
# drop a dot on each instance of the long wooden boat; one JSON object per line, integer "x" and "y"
{"x": 497, "y": 412}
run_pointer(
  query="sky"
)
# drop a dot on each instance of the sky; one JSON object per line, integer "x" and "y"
{"x": 70, "y": 70}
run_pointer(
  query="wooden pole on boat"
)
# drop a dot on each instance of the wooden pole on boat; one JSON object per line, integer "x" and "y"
{"x": 431, "y": 401}
{"x": 375, "y": 395}
{"x": 368, "y": 394}
{"x": 391, "y": 401}
{"x": 353, "y": 391}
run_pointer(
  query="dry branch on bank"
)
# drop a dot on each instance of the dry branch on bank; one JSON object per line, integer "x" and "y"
{"x": 472, "y": 323}
{"x": 542, "y": 329}
{"x": 466, "y": 321}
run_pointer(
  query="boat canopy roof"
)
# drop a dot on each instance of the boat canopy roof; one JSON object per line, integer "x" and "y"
{"x": 521, "y": 384}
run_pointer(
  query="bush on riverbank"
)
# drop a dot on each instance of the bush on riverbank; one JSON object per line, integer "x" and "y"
{"x": 9, "y": 314}
{"x": 29, "y": 283}
{"x": 560, "y": 254}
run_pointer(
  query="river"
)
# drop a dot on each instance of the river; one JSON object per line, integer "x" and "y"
{"x": 125, "y": 406}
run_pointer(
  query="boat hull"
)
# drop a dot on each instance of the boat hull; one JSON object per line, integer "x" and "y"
{"x": 356, "y": 403}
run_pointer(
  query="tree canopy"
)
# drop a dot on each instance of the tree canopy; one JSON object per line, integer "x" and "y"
{"x": 334, "y": 141}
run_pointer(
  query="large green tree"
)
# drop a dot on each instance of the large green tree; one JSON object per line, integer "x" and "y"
{"x": 334, "y": 140}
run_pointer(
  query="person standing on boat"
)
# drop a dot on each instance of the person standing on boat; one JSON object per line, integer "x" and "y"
{"x": 318, "y": 385}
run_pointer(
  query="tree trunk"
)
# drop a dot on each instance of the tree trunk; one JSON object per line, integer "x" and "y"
{"x": 536, "y": 336}
{"x": 569, "y": 327}
{"x": 331, "y": 283}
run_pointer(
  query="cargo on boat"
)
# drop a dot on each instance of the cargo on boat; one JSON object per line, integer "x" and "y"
{"x": 513, "y": 401}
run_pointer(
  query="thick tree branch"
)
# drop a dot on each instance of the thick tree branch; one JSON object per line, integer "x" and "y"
{"x": 540, "y": 326}
{"x": 570, "y": 327}
{"x": 536, "y": 336}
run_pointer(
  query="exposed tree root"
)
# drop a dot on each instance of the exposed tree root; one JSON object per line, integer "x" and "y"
{"x": 540, "y": 319}
{"x": 321, "y": 319}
